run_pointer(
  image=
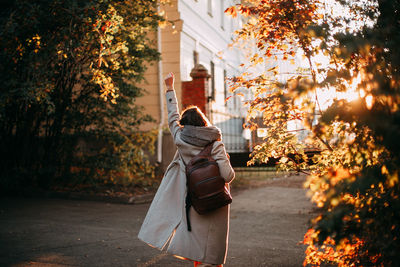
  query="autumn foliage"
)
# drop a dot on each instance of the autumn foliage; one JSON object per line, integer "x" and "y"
{"x": 344, "y": 98}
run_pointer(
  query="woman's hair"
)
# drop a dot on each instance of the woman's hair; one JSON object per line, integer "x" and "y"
{"x": 192, "y": 115}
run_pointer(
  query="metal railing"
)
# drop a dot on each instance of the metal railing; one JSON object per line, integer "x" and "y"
{"x": 232, "y": 131}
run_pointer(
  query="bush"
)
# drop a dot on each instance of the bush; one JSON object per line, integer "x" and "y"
{"x": 69, "y": 73}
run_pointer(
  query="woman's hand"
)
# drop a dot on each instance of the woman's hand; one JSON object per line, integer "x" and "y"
{"x": 169, "y": 81}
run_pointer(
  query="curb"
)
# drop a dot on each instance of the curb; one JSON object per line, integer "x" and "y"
{"x": 131, "y": 200}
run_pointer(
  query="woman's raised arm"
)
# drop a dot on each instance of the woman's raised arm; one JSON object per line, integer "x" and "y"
{"x": 172, "y": 105}
{"x": 169, "y": 82}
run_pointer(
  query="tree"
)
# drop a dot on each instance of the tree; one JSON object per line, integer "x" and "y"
{"x": 354, "y": 179}
{"x": 69, "y": 73}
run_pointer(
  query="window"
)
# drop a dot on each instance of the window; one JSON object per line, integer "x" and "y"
{"x": 222, "y": 15}
{"x": 232, "y": 26}
{"x": 209, "y": 7}
{"x": 195, "y": 58}
{"x": 212, "y": 65}
{"x": 225, "y": 88}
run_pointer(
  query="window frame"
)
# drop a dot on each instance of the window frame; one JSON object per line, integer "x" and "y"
{"x": 212, "y": 70}
{"x": 210, "y": 7}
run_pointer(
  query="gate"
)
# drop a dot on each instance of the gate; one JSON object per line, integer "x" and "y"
{"x": 232, "y": 131}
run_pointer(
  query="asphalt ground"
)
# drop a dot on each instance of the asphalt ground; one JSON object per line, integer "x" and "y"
{"x": 267, "y": 224}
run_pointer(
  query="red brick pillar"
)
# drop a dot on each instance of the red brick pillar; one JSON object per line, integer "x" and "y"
{"x": 195, "y": 92}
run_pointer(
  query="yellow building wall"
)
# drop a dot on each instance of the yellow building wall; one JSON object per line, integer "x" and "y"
{"x": 170, "y": 57}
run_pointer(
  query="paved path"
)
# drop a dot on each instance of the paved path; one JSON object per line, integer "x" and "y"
{"x": 266, "y": 225}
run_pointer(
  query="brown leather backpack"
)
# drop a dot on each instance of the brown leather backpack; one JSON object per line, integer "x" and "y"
{"x": 206, "y": 190}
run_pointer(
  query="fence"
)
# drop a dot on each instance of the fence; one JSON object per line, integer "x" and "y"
{"x": 232, "y": 131}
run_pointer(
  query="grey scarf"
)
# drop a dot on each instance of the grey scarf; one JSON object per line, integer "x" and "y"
{"x": 200, "y": 136}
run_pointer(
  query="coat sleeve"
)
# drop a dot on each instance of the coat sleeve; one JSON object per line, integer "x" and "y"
{"x": 225, "y": 168}
{"x": 173, "y": 113}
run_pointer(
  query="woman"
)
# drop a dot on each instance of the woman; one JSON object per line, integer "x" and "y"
{"x": 165, "y": 225}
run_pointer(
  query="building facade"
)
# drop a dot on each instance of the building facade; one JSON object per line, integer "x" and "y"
{"x": 198, "y": 33}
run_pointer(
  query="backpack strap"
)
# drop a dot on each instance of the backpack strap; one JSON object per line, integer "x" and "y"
{"x": 207, "y": 149}
{"x": 188, "y": 204}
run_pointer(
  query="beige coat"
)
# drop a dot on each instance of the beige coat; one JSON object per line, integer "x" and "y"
{"x": 165, "y": 221}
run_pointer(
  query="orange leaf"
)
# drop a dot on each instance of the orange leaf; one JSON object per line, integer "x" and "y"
{"x": 231, "y": 11}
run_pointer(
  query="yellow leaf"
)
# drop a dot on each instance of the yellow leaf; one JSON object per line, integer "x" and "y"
{"x": 334, "y": 202}
{"x": 393, "y": 180}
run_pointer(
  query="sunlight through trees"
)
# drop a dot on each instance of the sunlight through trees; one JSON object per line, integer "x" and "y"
{"x": 348, "y": 109}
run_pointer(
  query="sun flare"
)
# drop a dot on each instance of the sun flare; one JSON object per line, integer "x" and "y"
{"x": 326, "y": 96}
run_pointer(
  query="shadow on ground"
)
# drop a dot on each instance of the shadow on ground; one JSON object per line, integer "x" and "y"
{"x": 267, "y": 224}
